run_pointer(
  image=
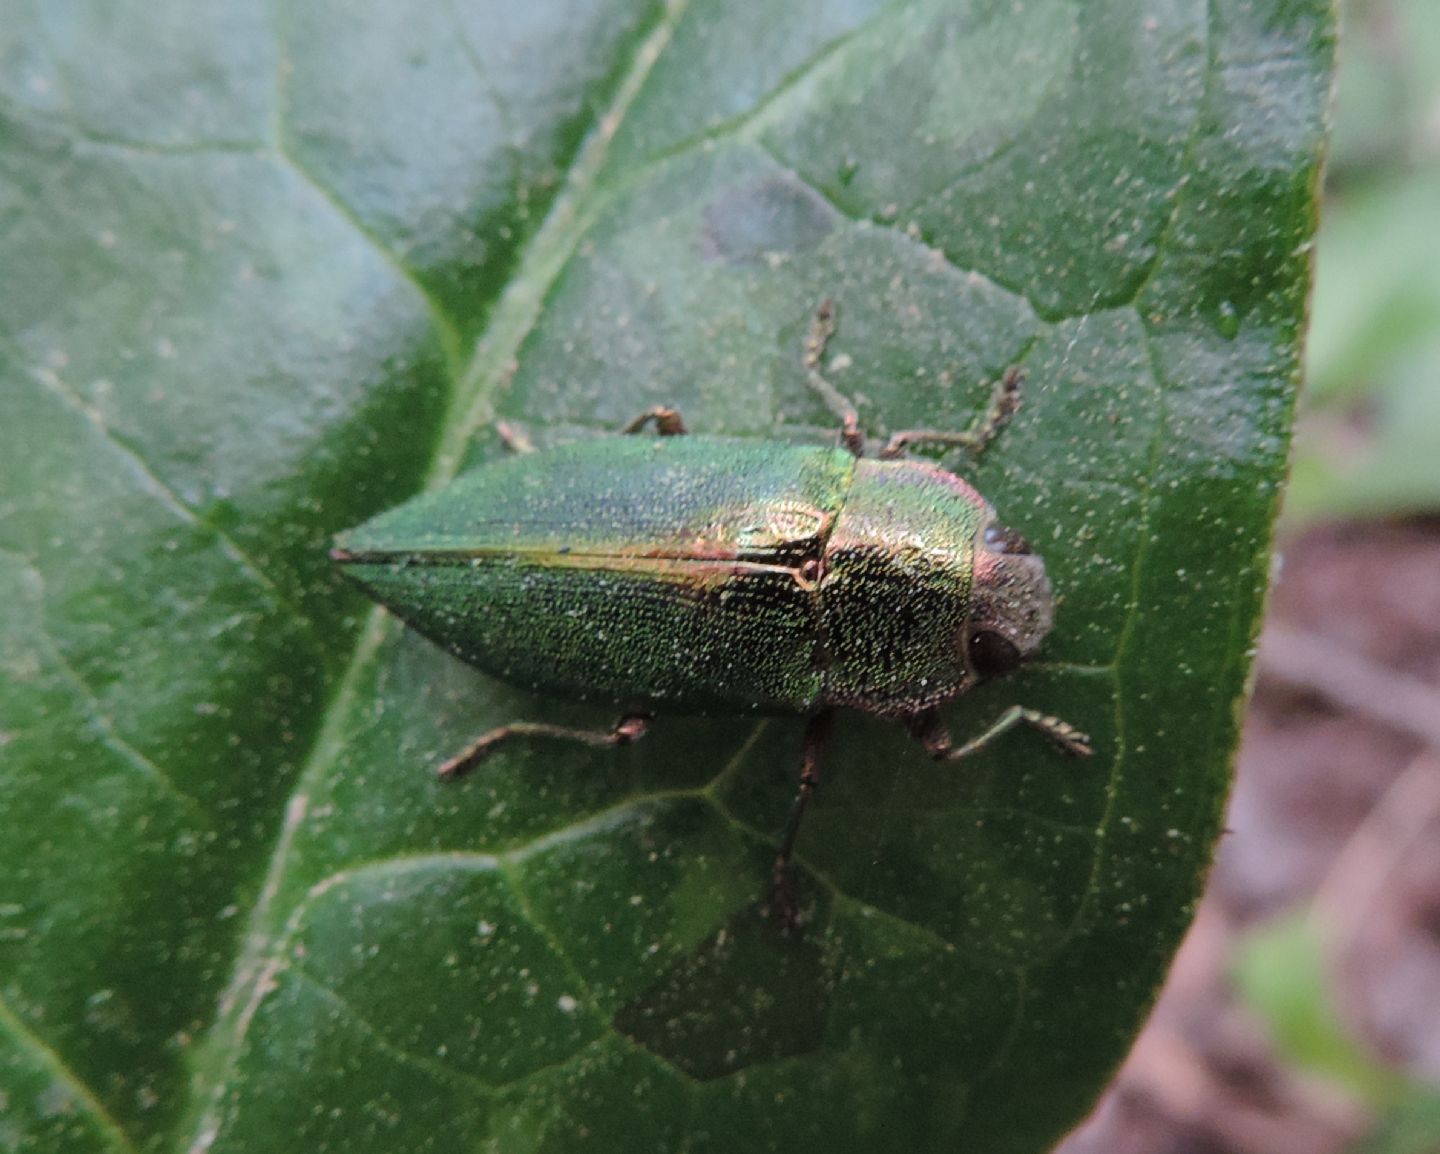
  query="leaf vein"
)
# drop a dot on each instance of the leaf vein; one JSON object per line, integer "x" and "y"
{"x": 829, "y": 54}
{"x": 514, "y": 316}
{"x": 30, "y": 1042}
{"x": 161, "y": 491}
{"x": 915, "y": 239}
{"x": 1187, "y": 160}
{"x": 104, "y": 729}
{"x": 446, "y": 331}
{"x": 1127, "y": 632}
{"x": 432, "y": 1066}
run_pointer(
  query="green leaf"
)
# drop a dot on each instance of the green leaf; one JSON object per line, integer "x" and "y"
{"x": 271, "y": 269}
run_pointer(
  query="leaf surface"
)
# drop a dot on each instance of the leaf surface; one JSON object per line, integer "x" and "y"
{"x": 275, "y": 269}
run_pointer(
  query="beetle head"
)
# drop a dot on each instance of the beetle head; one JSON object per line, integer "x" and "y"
{"x": 1013, "y": 605}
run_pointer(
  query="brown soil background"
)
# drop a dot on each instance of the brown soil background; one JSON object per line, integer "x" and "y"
{"x": 1336, "y": 808}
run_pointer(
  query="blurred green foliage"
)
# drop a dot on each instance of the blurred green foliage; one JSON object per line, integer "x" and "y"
{"x": 1281, "y": 972}
{"x": 1370, "y": 440}
{"x": 1368, "y": 444}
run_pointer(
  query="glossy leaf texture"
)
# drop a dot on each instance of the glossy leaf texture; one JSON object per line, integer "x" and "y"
{"x": 273, "y": 268}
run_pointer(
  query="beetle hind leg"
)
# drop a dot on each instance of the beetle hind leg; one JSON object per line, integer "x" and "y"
{"x": 630, "y": 728}
{"x": 929, "y": 729}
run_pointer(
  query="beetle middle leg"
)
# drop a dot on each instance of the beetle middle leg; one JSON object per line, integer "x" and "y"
{"x": 822, "y": 328}
{"x": 630, "y": 728}
{"x": 1003, "y": 403}
{"x": 817, "y": 739}
{"x": 929, "y": 729}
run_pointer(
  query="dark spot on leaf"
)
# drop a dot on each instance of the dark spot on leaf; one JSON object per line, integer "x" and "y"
{"x": 750, "y": 993}
{"x": 775, "y": 215}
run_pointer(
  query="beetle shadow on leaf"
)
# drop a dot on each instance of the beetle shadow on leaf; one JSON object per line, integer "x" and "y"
{"x": 750, "y": 993}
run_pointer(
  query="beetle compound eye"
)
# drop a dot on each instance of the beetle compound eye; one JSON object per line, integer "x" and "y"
{"x": 999, "y": 539}
{"x": 992, "y": 655}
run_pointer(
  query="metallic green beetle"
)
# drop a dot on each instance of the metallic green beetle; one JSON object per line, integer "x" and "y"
{"x": 711, "y": 575}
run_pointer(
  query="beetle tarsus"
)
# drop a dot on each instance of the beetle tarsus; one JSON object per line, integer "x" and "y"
{"x": 668, "y": 422}
{"x": 822, "y": 328}
{"x": 930, "y": 730}
{"x": 1062, "y": 733}
{"x": 630, "y": 728}
{"x": 1003, "y": 403}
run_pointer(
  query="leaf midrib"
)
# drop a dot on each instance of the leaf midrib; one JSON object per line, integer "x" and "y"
{"x": 512, "y": 320}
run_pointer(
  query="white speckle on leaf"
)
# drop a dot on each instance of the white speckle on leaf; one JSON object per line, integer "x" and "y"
{"x": 55, "y": 1100}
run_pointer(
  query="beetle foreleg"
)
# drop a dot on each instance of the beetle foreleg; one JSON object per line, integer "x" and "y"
{"x": 1003, "y": 403}
{"x": 929, "y": 729}
{"x": 668, "y": 422}
{"x": 822, "y": 328}
{"x": 631, "y": 727}
{"x": 817, "y": 739}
